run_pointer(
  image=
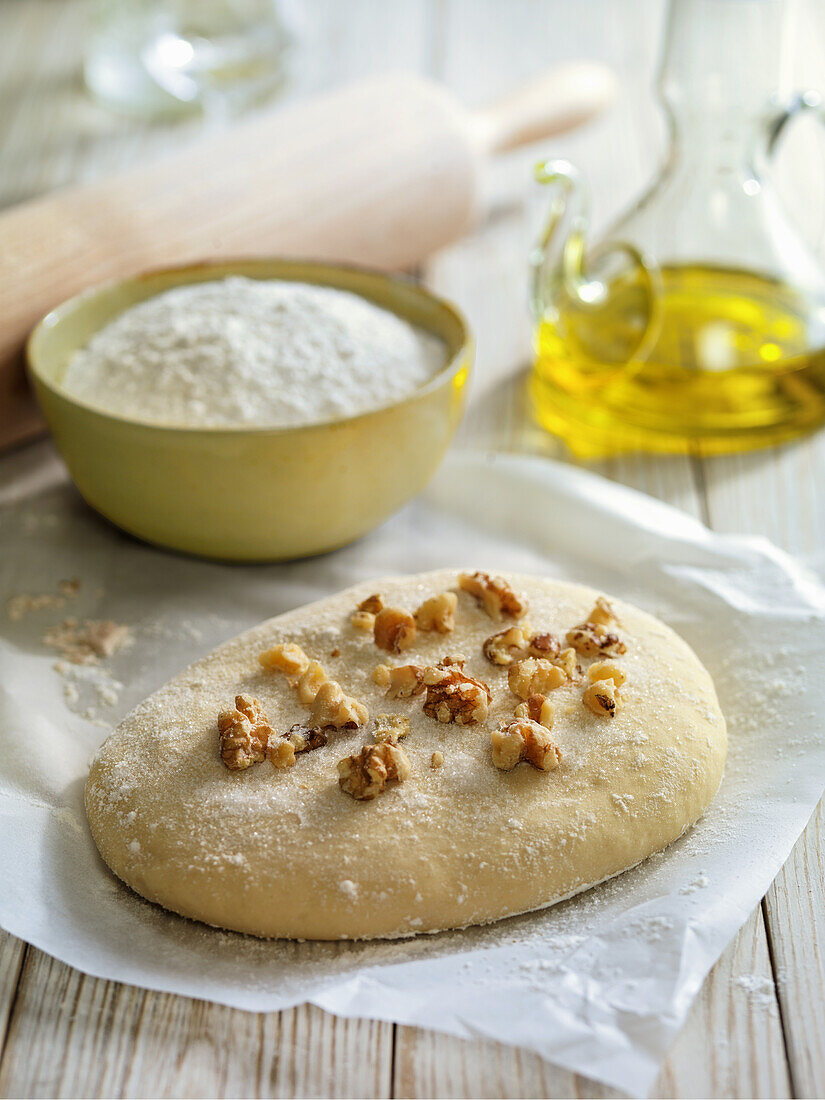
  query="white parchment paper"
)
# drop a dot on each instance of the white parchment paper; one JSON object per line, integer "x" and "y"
{"x": 599, "y": 984}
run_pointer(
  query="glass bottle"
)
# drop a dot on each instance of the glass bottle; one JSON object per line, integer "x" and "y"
{"x": 156, "y": 58}
{"x": 698, "y": 322}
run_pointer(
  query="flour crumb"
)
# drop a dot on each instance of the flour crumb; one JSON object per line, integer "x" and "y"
{"x": 348, "y": 888}
{"x": 87, "y": 642}
{"x": 243, "y": 351}
{"x": 698, "y": 883}
{"x": 19, "y": 606}
{"x": 760, "y": 989}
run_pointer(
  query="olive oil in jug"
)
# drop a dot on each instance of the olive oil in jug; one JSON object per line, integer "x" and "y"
{"x": 698, "y": 323}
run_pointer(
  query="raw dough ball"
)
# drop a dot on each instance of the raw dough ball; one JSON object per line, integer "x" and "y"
{"x": 283, "y": 852}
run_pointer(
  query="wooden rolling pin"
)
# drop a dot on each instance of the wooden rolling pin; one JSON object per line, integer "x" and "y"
{"x": 381, "y": 172}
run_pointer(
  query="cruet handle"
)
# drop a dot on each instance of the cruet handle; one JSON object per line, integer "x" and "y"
{"x": 569, "y": 201}
{"x": 799, "y": 104}
{"x": 560, "y": 258}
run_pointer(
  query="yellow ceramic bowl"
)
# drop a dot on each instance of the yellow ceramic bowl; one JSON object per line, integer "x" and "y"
{"x": 252, "y": 494}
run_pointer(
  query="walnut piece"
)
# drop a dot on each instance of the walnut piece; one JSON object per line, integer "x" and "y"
{"x": 606, "y": 670}
{"x": 332, "y": 707}
{"x": 494, "y": 594}
{"x": 507, "y": 646}
{"x": 365, "y": 775}
{"x": 535, "y": 676}
{"x": 538, "y": 709}
{"x": 522, "y": 739}
{"x": 516, "y": 643}
{"x": 281, "y": 754}
{"x": 244, "y": 733}
{"x": 372, "y": 604}
{"x": 543, "y": 645}
{"x": 437, "y": 613}
{"x": 310, "y": 681}
{"x": 595, "y": 640}
{"x": 362, "y": 620}
{"x": 285, "y": 657}
{"x": 602, "y": 613}
{"x": 401, "y": 682}
{"x": 391, "y": 728}
{"x": 592, "y": 637}
{"x": 329, "y": 705}
{"x": 394, "y": 629}
{"x": 567, "y": 661}
{"x": 452, "y": 696}
{"x": 602, "y": 697}
{"x": 299, "y": 738}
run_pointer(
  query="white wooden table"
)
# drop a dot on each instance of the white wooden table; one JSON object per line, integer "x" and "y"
{"x": 758, "y": 1026}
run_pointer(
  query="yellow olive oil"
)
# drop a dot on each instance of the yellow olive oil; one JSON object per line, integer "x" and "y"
{"x": 715, "y": 360}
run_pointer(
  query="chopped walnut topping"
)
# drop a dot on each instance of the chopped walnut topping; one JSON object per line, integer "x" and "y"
{"x": 401, "y": 682}
{"x": 394, "y": 629}
{"x": 595, "y": 640}
{"x": 522, "y": 739}
{"x": 298, "y": 738}
{"x": 507, "y": 646}
{"x": 606, "y": 670}
{"x": 437, "y": 613}
{"x": 516, "y": 643}
{"x": 452, "y": 696}
{"x": 538, "y": 709}
{"x": 285, "y": 657}
{"x": 437, "y": 759}
{"x": 310, "y": 681}
{"x": 535, "y": 676}
{"x": 326, "y": 698}
{"x": 452, "y": 661}
{"x": 602, "y": 697}
{"x": 331, "y": 707}
{"x": 566, "y": 661}
{"x": 306, "y": 738}
{"x": 363, "y": 620}
{"x": 543, "y": 645}
{"x": 366, "y": 775}
{"x": 281, "y": 754}
{"x": 494, "y": 594}
{"x": 602, "y": 613}
{"x": 372, "y": 604}
{"x": 381, "y": 675}
{"x": 391, "y": 728}
{"x": 336, "y": 652}
{"x": 244, "y": 733}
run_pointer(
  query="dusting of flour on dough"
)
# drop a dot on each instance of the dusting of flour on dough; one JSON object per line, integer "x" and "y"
{"x": 165, "y": 766}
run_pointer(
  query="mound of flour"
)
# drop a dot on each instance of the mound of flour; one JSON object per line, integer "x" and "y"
{"x": 245, "y": 352}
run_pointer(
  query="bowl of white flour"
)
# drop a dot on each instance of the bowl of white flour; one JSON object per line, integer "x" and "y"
{"x": 257, "y": 410}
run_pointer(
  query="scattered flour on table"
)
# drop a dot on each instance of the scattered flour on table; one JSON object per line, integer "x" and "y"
{"x": 249, "y": 352}
{"x": 760, "y": 989}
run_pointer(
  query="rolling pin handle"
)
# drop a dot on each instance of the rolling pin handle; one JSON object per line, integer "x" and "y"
{"x": 560, "y": 99}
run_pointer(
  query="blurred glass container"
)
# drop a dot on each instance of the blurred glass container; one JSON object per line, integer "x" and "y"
{"x": 156, "y": 58}
{"x": 696, "y": 322}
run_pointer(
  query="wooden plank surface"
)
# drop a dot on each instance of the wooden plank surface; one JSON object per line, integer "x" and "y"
{"x": 758, "y": 1026}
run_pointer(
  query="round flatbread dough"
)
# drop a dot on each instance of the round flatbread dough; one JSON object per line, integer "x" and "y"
{"x": 286, "y": 853}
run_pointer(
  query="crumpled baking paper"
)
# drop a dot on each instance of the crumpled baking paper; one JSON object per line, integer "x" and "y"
{"x": 599, "y": 984}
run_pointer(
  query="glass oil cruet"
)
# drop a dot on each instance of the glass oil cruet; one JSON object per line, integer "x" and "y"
{"x": 698, "y": 323}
